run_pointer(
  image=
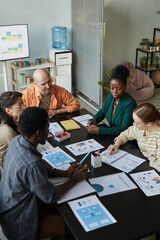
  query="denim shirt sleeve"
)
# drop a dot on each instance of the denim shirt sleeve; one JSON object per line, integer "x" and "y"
{"x": 38, "y": 183}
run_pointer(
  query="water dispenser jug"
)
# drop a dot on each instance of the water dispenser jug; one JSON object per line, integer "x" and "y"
{"x": 59, "y": 37}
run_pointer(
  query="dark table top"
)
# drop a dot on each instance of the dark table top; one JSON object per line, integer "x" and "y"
{"x": 137, "y": 215}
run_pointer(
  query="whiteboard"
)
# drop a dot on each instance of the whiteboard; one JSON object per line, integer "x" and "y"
{"x": 14, "y": 42}
{"x": 87, "y": 28}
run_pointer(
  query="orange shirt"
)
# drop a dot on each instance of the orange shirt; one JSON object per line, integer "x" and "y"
{"x": 59, "y": 96}
{"x": 114, "y": 108}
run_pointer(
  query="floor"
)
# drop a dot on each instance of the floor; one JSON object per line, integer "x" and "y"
{"x": 155, "y": 100}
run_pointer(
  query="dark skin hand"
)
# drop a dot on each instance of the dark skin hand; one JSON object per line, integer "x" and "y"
{"x": 79, "y": 174}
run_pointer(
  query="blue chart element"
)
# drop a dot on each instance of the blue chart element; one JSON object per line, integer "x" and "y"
{"x": 94, "y": 216}
{"x": 58, "y": 159}
{"x": 98, "y": 187}
{"x": 111, "y": 186}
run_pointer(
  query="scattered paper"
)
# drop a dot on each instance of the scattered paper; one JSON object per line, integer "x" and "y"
{"x": 110, "y": 184}
{"x": 91, "y": 213}
{"x": 55, "y": 128}
{"x": 78, "y": 190}
{"x": 84, "y": 147}
{"x": 56, "y": 157}
{"x": 83, "y": 119}
{"x": 122, "y": 160}
{"x": 148, "y": 181}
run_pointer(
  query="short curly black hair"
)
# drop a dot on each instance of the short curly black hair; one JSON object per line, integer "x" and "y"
{"x": 31, "y": 120}
{"x": 120, "y": 73}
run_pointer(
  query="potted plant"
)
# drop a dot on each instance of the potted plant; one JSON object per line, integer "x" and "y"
{"x": 106, "y": 84}
{"x": 155, "y": 60}
{"x": 144, "y": 43}
{"x": 150, "y": 46}
{"x": 143, "y": 62}
{"x": 157, "y": 46}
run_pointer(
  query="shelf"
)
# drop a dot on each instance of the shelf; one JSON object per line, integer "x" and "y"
{"x": 25, "y": 86}
{"x": 45, "y": 65}
{"x": 17, "y": 70}
{"x": 149, "y": 68}
{"x": 147, "y": 50}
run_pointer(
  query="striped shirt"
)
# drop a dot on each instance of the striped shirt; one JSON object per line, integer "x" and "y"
{"x": 149, "y": 145}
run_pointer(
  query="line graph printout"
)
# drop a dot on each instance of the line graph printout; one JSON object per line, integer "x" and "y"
{"x": 14, "y": 42}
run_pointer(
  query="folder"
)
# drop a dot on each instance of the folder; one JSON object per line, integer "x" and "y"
{"x": 70, "y": 124}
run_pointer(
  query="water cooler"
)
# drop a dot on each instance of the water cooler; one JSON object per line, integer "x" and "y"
{"x": 63, "y": 62}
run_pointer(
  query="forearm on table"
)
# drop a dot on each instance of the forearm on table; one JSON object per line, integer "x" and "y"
{"x": 54, "y": 172}
{"x": 118, "y": 142}
{"x": 62, "y": 110}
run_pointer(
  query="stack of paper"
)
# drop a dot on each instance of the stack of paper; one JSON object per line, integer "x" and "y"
{"x": 62, "y": 136}
{"x": 55, "y": 129}
{"x": 70, "y": 125}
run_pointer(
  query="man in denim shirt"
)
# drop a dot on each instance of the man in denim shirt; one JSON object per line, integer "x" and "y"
{"x": 25, "y": 186}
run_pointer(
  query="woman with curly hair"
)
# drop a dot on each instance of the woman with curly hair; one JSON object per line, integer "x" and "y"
{"x": 118, "y": 107}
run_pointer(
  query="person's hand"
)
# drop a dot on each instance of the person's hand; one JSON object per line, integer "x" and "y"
{"x": 112, "y": 149}
{"x": 91, "y": 122}
{"x": 71, "y": 169}
{"x": 79, "y": 174}
{"x": 93, "y": 129}
{"x": 52, "y": 113}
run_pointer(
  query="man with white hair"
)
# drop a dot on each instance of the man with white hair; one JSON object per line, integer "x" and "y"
{"x": 49, "y": 96}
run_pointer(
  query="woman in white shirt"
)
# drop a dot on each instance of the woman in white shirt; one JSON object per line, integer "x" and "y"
{"x": 146, "y": 130}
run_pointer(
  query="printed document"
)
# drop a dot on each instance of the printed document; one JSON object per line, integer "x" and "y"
{"x": 122, "y": 160}
{"x": 148, "y": 181}
{"x": 80, "y": 189}
{"x": 83, "y": 119}
{"x": 83, "y": 147}
{"x": 91, "y": 213}
{"x": 56, "y": 157}
{"x": 110, "y": 184}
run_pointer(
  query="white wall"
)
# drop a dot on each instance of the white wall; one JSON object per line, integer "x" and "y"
{"x": 127, "y": 22}
{"x": 41, "y": 16}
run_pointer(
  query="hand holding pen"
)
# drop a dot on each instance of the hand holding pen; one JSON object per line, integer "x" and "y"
{"x": 91, "y": 122}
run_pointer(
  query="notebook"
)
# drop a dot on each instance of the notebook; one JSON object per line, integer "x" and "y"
{"x": 70, "y": 124}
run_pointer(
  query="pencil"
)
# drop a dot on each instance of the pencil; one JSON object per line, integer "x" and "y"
{"x": 84, "y": 157}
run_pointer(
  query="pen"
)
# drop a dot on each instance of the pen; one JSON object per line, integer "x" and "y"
{"x": 84, "y": 157}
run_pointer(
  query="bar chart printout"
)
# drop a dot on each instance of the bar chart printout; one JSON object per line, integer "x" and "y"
{"x": 91, "y": 213}
{"x": 14, "y": 42}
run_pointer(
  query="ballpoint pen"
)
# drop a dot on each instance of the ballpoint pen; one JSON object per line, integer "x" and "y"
{"x": 84, "y": 157}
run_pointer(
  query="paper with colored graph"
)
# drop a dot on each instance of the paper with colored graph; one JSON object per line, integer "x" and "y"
{"x": 91, "y": 213}
{"x": 83, "y": 147}
{"x": 113, "y": 183}
{"x": 148, "y": 181}
{"x": 56, "y": 157}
